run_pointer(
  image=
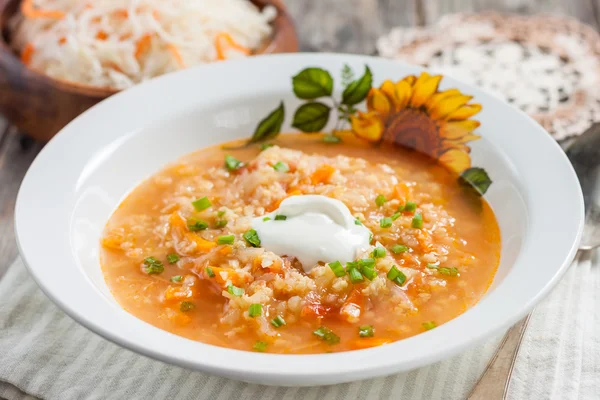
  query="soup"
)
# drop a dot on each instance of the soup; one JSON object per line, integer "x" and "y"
{"x": 183, "y": 251}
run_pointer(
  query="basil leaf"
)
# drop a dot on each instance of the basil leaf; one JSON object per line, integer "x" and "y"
{"x": 269, "y": 127}
{"x": 357, "y": 90}
{"x": 478, "y": 178}
{"x": 312, "y": 83}
{"x": 311, "y": 117}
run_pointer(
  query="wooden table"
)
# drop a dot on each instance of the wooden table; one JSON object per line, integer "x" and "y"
{"x": 350, "y": 26}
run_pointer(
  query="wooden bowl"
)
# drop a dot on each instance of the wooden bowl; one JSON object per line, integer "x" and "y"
{"x": 40, "y": 105}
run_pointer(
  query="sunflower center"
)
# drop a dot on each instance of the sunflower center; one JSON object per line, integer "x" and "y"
{"x": 414, "y": 129}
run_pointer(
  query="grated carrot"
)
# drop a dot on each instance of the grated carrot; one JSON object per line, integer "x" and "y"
{"x": 202, "y": 245}
{"x": 322, "y": 174}
{"x": 101, "y": 35}
{"x": 142, "y": 45}
{"x": 29, "y": 11}
{"x": 121, "y": 13}
{"x": 232, "y": 44}
{"x": 230, "y": 275}
{"x": 175, "y": 51}
{"x": 27, "y": 53}
{"x": 225, "y": 250}
{"x": 62, "y": 40}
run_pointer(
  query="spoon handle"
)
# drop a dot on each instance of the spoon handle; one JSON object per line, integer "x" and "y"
{"x": 493, "y": 383}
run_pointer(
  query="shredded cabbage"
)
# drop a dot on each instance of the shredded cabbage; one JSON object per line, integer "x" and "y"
{"x": 118, "y": 43}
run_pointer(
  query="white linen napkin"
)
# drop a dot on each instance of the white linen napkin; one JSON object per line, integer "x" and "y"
{"x": 44, "y": 353}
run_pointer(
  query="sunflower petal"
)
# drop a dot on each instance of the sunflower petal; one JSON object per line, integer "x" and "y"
{"x": 455, "y": 160}
{"x": 378, "y": 101}
{"x": 464, "y": 112}
{"x": 425, "y": 86}
{"x": 449, "y": 105}
{"x": 387, "y": 87}
{"x": 436, "y": 98}
{"x": 457, "y": 129}
{"x": 410, "y": 79}
{"x": 403, "y": 91}
{"x": 367, "y": 126}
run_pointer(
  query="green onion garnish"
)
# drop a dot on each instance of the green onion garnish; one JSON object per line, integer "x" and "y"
{"x": 378, "y": 252}
{"x": 365, "y": 331}
{"x": 355, "y": 275}
{"x": 432, "y": 266}
{"x": 211, "y": 273}
{"x": 337, "y": 268}
{"x": 396, "y": 276}
{"x": 370, "y": 237}
{"x": 226, "y": 239}
{"x": 369, "y": 272}
{"x": 351, "y": 264}
{"x": 266, "y": 219}
{"x": 220, "y": 213}
{"x": 255, "y": 310}
{"x": 280, "y": 218}
{"x": 153, "y": 266}
{"x": 331, "y": 139}
{"x": 448, "y": 271}
{"x": 399, "y": 248}
{"x": 410, "y": 206}
{"x": 172, "y": 258}
{"x": 232, "y": 163}
{"x": 380, "y": 200}
{"x": 234, "y": 290}
{"x": 357, "y": 222}
{"x": 222, "y": 223}
{"x": 327, "y": 335}
{"x": 195, "y": 225}
{"x": 417, "y": 221}
{"x": 201, "y": 204}
{"x": 280, "y": 166}
{"x": 395, "y": 216}
{"x": 366, "y": 262}
{"x": 429, "y": 325}
{"x": 186, "y": 306}
{"x": 176, "y": 278}
{"x": 400, "y": 208}
{"x": 278, "y": 321}
{"x": 260, "y": 346}
{"x": 265, "y": 146}
{"x": 385, "y": 222}
{"x": 252, "y": 238}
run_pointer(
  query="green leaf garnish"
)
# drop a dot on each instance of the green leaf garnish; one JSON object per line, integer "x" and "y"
{"x": 252, "y": 238}
{"x": 347, "y": 75}
{"x": 176, "y": 278}
{"x": 365, "y": 331}
{"x": 270, "y": 126}
{"x": 327, "y": 335}
{"x": 358, "y": 89}
{"x": 153, "y": 266}
{"x": 478, "y": 178}
{"x": 312, "y": 83}
{"x": 172, "y": 258}
{"x": 311, "y": 117}
{"x": 186, "y": 306}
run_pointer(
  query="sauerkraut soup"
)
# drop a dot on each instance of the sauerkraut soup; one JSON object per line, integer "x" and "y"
{"x": 300, "y": 246}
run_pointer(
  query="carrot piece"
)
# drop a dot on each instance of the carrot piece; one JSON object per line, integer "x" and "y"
{"x": 225, "y": 250}
{"x": 27, "y": 53}
{"x": 177, "y": 293}
{"x": 142, "y": 45}
{"x": 223, "y": 36}
{"x": 123, "y": 13}
{"x": 29, "y": 11}
{"x": 223, "y": 275}
{"x": 181, "y": 319}
{"x": 62, "y": 40}
{"x": 322, "y": 174}
{"x": 112, "y": 242}
{"x": 175, "y": 51}
{"x": 202, "y": 245}
{"x": 101, "y": 35}
{"x": 402, "y": 192}
{"x": 365, "y": 343}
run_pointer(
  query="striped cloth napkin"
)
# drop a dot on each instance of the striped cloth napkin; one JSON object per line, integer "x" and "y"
{"x": 45, "y": 354}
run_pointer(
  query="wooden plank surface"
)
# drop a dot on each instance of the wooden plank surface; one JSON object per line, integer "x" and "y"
{"x": 350, "y": 26}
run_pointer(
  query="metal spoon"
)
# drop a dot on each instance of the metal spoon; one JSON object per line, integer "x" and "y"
{"x": 584, "y": 154}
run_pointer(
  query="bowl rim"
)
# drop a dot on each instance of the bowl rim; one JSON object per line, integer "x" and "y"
{"x": 283, "y": 18}
{"x": 319, "y": 368}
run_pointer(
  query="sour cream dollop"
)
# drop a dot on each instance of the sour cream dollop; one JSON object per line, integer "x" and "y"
{"x": 316, "y": 228}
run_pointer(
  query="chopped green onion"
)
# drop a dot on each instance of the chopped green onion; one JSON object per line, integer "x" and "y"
{"x": 281, "y": 167}
{"x": 399, "y": 248}
{"x": 365, "y": 331}
{"x": 355, "y": 275}
{"x": 266, "y": 219}
{"x": 278, "y": 321}
{"x": 260, "y": 346}
{"x": 211, "y": 274}
{"x": 327, "y": 335}
{"x": 410, "y": 206}
{"x": 396, "y": 276}
{"x": 280, "y": 218}
{"x": 417, "y": 221}
{"x": 265, "y": 146}
{"x": 234, "y": 290}
{"x": 201, "y": 204}
{"x": 357, "y": 222}
{"x": 337, "y": 268}
{"x": 369, "y": 272}
{"x": 226, "y": 239}
{"x": 385, "y": 222}
{"x": 176, "y": 278}
{"x": 195, "y": 225}
{"x": 222, "y": 223}
{"x": 432, "y": 266}
{"x": 255, "y": 310}
{"x": 380, "y": 200}
{"x": 153, "y": 266}
{"x": 331, "y": 139}
{"x": 351, "y": 264}
{"x": 186, "y": 306}
{"x": 395, "y": 216}
{"x": 448, "y": 271}
{"x": 172, "y": 258}
{"x": 370, "y": 237}
{"x": 366, "y": 262}
{"x": 378, "y": 252}
{"x": 429, "y": 325}
{"x": 400, "y": 208}
{"x": 220, "y": 213}
{"x": 232, "y": 163}
{"x": 252, "y": 238}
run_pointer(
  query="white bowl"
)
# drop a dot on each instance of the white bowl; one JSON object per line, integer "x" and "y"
{"x": 81, "y": 176}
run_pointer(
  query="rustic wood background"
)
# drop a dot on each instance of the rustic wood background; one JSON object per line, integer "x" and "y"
{"x": 350, "y": 26}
